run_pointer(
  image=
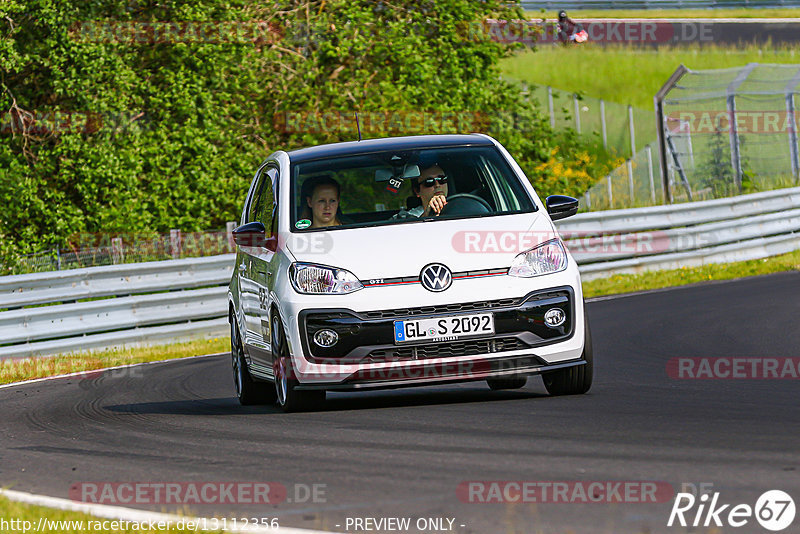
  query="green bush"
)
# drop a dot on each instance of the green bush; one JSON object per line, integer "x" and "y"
{"x": 105, "y": 129}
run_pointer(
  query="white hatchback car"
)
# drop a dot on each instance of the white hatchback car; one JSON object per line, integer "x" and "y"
{"x": 400, "y": 262}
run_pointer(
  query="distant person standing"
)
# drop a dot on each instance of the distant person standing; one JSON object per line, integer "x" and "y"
{"x": 568, "y": 30}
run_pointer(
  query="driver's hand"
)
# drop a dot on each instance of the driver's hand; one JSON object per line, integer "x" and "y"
{"x": 436, "y": 204}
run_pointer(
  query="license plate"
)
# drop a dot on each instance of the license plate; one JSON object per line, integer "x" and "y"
{"x": 443, "y": 328}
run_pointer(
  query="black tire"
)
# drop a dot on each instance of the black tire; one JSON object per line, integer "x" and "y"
{"x": 289, "y": 399}
{"x": 248, "y": 391}
{"x": 511, "y": 382}
{"x": 573, "y": 380}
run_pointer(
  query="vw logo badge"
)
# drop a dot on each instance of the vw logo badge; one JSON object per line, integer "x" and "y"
{"x": 435, "y": 277}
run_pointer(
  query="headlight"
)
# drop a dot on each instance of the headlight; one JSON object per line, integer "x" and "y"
{"x": 312, "y": 279}
{"x": 550, "y": 257}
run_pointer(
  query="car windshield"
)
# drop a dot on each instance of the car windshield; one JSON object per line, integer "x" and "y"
{"x": 399, "y": 187}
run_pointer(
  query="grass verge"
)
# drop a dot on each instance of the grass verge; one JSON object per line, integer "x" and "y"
{"x": 30, "y": 368}
{"x": 630, "y": 75}
{"x": 21, "y": 517}
{"x": 736, "y": 13}
{"x": 629, "y": 283}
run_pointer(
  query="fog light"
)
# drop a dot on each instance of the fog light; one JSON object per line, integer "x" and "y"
{"x": 555, "y": 317}
{"x": 326, "y": 338}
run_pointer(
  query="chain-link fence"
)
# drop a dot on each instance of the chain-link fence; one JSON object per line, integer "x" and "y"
{"x": 726, "y": 132}
{"x": 93, "y": 250}
{"x": 729, "y": 131}
{"x": 621, "y": 129}
{"x": 637, "y": 183}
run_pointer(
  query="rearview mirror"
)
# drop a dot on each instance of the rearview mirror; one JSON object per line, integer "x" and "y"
{"x": 411, "y": 171}
{"x": 561, "y": 206}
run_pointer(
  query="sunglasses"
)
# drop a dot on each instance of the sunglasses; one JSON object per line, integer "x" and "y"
{"x": 430, "y": 182}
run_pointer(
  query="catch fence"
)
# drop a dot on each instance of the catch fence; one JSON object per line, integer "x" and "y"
{"x": 727, "y": 132}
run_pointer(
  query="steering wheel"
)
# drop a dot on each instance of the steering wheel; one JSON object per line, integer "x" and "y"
{"x": 465, "y": 204}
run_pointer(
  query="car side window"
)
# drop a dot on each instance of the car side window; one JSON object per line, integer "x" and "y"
{"x": 262, "y": 206}
{"x": 275, "y": 176}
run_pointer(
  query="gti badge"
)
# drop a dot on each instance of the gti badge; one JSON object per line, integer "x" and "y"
{"x": 435, "y": 277}
{"x": 555, "y": 317}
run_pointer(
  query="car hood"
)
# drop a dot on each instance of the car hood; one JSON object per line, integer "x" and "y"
{"x": 402, "y": 250}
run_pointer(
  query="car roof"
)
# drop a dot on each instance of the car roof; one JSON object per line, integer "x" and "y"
{"x": 352, "y": 148}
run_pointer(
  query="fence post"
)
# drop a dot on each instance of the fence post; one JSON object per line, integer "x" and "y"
{"x": 229, "y": 227}
{"x": 632, "y": 130}
{"x": 550, "y": 107}
{"x": 610, "y": 193}
{"x": 629, "y": 167}
{"x": 650, "y": 174}
{"x": 603, "y": 123}
{"x": 175, "y": 243}
{"x": 736, "y": 160}
{"x": 793, "y": 136}
{"x": 58, "y": 259}
{"x": 116, "y": 250}
{"x": 577, "y": 113}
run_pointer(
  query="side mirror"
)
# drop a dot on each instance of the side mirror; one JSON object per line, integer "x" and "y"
{"x": 252, "y": 234}
{"x": 561, "y": 207}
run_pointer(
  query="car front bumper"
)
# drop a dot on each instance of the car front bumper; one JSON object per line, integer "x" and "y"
{"x": 517, "y": 350}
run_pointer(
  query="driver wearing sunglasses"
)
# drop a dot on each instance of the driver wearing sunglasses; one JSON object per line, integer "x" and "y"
{"x": 431, "y": 188}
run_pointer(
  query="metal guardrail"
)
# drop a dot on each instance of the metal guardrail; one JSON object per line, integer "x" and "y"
{"x": 695, "y": 233}
{"x": 657, "y": 4}
{"x": 100, "y": 307}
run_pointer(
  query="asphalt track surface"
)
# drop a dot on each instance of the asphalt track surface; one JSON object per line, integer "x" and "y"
{"x": 403, "y": 453}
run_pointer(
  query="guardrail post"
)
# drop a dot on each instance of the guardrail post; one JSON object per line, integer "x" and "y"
{"x": 229, "y": 227}
{"x": 175, "y": 243}
{"x": 550, "y": 107}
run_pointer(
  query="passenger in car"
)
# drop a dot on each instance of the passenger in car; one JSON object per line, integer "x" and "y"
{"x": 431, "y": 188}
{"x": 322, "y": 202}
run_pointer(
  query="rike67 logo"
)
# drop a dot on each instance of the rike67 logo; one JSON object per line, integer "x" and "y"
{"x": 774, "y": 510}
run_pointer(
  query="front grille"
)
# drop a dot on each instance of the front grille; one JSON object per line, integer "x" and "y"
{"x": 448, "y": 349}
{"x": 445, "y": 308}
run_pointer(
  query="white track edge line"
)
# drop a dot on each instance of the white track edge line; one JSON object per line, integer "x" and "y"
{"x": 123, "y": 366}
{"x": 132, "y": 515}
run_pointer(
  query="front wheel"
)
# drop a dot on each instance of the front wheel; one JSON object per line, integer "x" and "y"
{"x": 573, "y": 380}
{"x": 248, "y": 391}
{"x": 288, "y": 397}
